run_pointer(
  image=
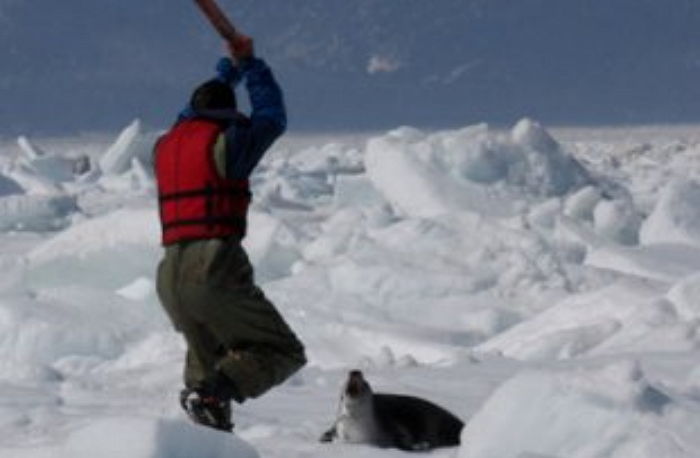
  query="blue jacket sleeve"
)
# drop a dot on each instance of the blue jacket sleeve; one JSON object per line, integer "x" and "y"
{"x": 228, "y": 72}
{"x": 248, "y": 140}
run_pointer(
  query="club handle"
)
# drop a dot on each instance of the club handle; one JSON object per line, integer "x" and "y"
{"x": 218, "y": 19}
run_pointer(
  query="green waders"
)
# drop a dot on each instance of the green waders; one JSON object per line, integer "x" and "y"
{"x": 231, "y": 329}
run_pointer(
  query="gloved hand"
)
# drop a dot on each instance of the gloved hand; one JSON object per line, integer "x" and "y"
{"x": 241, "y": 47}
{"x": 227, "y": 72}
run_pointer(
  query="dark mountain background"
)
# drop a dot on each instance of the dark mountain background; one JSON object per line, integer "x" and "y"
{"x": 81, "y": 65}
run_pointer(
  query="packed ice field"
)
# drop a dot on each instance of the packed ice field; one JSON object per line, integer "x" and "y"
{"x": 543, "y": 286}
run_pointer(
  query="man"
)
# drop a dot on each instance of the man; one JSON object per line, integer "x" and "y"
{"x": 238, "y": 345}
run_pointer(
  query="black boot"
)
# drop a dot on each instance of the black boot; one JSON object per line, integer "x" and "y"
{"x": 207, "y": 410}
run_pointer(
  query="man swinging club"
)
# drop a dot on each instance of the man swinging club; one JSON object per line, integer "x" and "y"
{"x": 238, "y": 345}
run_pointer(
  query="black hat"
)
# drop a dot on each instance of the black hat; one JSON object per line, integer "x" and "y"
{"x": 213, "y": 95}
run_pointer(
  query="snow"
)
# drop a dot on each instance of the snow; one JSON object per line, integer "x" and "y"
{"x": 542, "y": 285}
{"x": 611, "y": 411}
{"x": 155, "y": 439}
{"x": 139, "y": 437}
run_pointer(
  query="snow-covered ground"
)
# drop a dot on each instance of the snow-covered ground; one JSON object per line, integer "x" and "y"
{"x": 543, "y": 286}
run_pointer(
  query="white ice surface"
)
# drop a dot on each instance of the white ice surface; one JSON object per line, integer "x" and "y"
{"x": 611, "y": 411}
{"x": 546, "y": 291}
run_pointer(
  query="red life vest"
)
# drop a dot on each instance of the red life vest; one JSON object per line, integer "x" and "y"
{"x": 195, "y": 201}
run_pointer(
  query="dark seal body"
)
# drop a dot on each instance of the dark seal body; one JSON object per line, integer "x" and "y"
{"x": 411, "y": 423}
{"x": 391, "y": 420}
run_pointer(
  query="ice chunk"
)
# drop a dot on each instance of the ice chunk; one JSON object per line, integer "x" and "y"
{"x": 676, "y": 217}
{"x": 665, "y": 262}
{"x": 541, "y": 165}
{"x": 58, "y": 169}
{"x": 333, "y": 158}
{"x": 354, "y": 190}
{"x": 684, "y": 295}
{"x": 55, "y": 168}
{"x": 9, "y": 187}
{"x": 271, "y": 245}
{"x": 580, "y": 205}
{"x": 104, "y": 252}
{"x": 611, "y": 411}
{"x": 36, "y": 212}
{"x": 30, "y": 150}
{"x": 131, "y": 143}
{"x": 121, "y": 228}
{"x": 418, "y": 186}
{"x": 545, "y": 215}
{"x": 45, "y": 326}
{"x": 617, "y": 220}
{"x": 472, "y": 169}
{"x": 338, "y": 233}
{"x": 601, "y": 321}
{"x": 141, "y": 178}
{"x": 31, "y": 180}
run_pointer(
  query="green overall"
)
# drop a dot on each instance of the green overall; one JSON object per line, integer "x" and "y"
{"x": 231, "y": 328}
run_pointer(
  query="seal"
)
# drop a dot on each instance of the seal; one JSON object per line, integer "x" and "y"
{"x": 390, "y": 420}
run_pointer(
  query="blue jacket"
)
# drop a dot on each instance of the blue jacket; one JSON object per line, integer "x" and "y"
{"x": 247, "y": 139}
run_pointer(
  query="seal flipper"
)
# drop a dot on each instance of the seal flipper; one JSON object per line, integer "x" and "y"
{"x": 395, "y": 431}
{"x": 401, "y": 438}
{"x": 329, "y": 435}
